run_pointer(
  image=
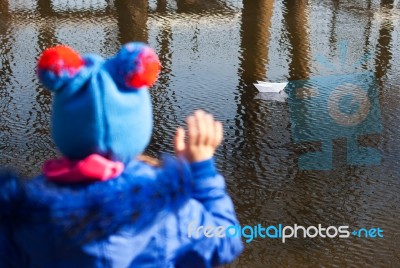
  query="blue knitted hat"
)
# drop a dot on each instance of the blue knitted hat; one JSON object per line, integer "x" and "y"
{"x": 100, "y": 106}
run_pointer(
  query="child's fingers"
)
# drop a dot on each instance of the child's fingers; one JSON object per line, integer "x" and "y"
{"x": 201, "y": 126}
{"x": 179, "y": 141}
{"x": 210, "y": 130}
{"x": 219, "y": 133}
{"x": 192, "y": 130}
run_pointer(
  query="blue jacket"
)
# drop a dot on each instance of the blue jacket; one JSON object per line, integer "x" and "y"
{"x": 147, "y": 217}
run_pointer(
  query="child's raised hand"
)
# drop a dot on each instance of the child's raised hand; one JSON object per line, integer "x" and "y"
{"x": 204, "y": 136}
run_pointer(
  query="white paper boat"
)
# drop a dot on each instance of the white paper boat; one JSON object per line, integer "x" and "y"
{"x": 270, "y": 87}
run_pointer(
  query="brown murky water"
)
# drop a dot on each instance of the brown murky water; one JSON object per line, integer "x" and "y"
{"x": 212, "y": 52}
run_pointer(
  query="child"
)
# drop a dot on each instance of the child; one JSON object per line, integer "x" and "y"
{"x": 102, "y": 205}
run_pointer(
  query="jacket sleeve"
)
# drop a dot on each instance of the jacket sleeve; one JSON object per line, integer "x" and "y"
{"x": 207, "y": 217}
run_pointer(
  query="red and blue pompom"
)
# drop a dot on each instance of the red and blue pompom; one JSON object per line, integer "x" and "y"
{"x": 60, "y": 58}
{"x": 57, "y": 65}
{"x": 147, "y": 69}
{"x": 135, "y": 66}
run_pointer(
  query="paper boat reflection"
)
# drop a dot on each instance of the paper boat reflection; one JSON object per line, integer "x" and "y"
{"x": 272, "y": 96}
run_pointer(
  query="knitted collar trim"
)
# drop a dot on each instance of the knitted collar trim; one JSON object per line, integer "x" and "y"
{"x": 93, "y": 168}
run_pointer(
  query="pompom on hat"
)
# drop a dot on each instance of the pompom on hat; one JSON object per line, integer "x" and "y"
{"x": 100, "y": 106}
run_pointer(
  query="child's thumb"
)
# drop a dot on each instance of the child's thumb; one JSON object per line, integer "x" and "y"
{"x": 179, "y": 141}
